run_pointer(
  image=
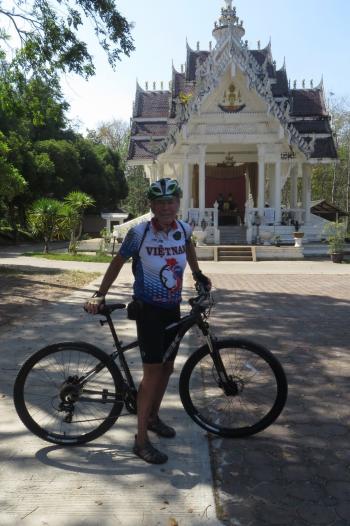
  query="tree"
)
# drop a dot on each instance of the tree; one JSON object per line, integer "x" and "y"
{"x": 11, "y": 181}
{"x": 114, "y": 134}
{"x": 12, "y": 184}
{"x": 76, "y": 203}
{"x": 46, "y": 219}
{"x": 64, "y": 157}
{"x": 48, "y": 34}
{"x": 136, "y": 202}
{"x": 332, "y": 182}
{"x": 102, "y": 175}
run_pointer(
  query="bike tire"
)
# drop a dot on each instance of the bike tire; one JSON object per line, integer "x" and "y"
{"x": 260, "y": 380}
{"x": 39, "y": 383}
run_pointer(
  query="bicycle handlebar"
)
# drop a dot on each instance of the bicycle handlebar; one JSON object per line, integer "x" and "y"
{"x": 203, "y": 296}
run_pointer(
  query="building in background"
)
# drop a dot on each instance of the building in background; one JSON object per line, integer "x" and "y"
{"x": 234, "y": 132}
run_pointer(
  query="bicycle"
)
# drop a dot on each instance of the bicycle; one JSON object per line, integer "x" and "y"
{"x": 72, "y": 392}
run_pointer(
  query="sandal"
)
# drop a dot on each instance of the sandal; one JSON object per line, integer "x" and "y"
{"x": 161, "y": 429}
{"x": 149, "y": 454}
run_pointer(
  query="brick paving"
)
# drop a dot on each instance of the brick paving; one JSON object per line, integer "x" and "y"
{"x": 297, "y": 472}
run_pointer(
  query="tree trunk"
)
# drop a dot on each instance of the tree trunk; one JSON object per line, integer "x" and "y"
{"x": 348, "y": 186}
{"x": 13, "y": 222}
{"x": 333, "y": 183}
{"x": 46, "y": 245}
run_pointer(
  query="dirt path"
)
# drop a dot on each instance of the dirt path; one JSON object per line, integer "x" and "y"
{"x": 21, "y": 291}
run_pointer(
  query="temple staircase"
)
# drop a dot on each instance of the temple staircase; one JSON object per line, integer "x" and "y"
{"x": 233, "y": 235}
{"x": 235, "y": 253}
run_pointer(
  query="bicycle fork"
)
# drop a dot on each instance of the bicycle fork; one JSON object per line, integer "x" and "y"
{"x": 225, "y": 381}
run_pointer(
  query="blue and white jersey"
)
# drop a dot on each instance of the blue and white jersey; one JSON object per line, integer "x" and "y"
{"x": 161, "y": 261}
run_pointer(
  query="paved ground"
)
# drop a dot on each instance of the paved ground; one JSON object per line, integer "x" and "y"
{"x": 296, "y": 473}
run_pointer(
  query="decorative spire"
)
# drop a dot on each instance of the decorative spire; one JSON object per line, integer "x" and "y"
{"x": 228, "y": 20}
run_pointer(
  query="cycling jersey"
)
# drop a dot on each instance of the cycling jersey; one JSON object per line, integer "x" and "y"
{"x": 160, "y": 261}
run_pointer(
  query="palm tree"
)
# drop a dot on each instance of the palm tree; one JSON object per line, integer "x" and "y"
{"x": 45, "y": 219}
{"x": 75, "y": 204}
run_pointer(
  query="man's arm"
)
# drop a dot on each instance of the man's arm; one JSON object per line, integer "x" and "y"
{"x": 193, "y": 263}
{"x": 93, "y": 304}
{"x": 192, "y": 256}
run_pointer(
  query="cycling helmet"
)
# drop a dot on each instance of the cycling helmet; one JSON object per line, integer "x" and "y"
{"x": 164, "y": 188}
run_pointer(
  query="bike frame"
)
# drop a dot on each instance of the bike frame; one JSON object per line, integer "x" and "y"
{"x": 184, "y": 325}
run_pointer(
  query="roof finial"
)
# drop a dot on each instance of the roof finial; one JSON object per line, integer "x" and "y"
{"x": 198, "y": 45}
{"x": 146, "y": 85}
{"x": 161, "y": 85}
{"x": 258, "y": 44}
{"x": 228, "y": 4}
{"x": 154, "y": 86}
{"x": 303, "y": 83}
{"x": 311, "y": 84}
{"x": 295, "y": 84}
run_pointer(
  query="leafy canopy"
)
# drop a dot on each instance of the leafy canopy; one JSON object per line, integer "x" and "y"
{"x": 48, "y": 32}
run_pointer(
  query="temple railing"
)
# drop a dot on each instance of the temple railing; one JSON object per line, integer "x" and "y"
{"x": 209, "y": 217}
{"x": 289, "y": 216}
{"x": 120, "y": 231}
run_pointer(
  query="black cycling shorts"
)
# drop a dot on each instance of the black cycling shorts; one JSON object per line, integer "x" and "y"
{"x": 152, "y": 336}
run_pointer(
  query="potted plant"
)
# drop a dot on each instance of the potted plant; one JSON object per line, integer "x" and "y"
{"x": 277, "y": 240}
{"x": 335, "y": 235}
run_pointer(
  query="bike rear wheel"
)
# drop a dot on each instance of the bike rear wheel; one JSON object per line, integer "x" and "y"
{"x": 55, "y": 405}
{"x": 248, "y": 403}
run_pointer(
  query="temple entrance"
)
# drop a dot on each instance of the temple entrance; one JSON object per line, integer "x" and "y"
{"x": 227, "y": 186}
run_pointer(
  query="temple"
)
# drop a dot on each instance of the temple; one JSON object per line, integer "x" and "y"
{"x": 241, "y": 140}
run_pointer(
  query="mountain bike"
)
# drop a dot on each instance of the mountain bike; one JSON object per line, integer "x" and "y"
{"x": 72, "y": 392}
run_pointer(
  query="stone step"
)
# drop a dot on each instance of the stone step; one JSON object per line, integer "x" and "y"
{"x": 235, "y": 253}
{"x": 224, "y": 252}
{"x": 235, "y": 258}
{"x": 233, "y": 235}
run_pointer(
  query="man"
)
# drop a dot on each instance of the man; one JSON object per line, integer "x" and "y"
{"x": 160, "y": 250}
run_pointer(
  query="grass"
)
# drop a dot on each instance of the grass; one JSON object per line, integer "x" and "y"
{"x": 73, "y": 277}
{"x": 60, "y": 256}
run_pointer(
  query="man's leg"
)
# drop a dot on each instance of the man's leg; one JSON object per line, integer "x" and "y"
{"x": 150, "y": 394}
{"x": 168, "y": 368}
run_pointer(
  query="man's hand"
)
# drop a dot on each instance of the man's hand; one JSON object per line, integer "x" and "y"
{"x": 199, "y": 277}
{"x": 93, "y": 305}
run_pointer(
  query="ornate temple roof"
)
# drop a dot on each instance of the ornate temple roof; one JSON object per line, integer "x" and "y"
{"x": 302, "y": 112}
{"x": 151, "y": 104}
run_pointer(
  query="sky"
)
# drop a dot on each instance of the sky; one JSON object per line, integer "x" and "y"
{"x": 313, "y": 37}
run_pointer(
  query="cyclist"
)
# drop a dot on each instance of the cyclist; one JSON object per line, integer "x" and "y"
{"x": 160, "y": 249}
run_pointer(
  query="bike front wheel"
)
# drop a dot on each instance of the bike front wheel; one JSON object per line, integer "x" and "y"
{"x": 55, "y": 402}
{"x": 245, "y": 400}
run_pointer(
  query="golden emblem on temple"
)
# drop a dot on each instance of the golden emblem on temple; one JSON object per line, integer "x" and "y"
{"x": 232, "y": 100}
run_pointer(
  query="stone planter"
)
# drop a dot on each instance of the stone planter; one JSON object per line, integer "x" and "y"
{"x": 200, "y": 236}
{"x": 298, "y": 238}
{"x": 265, "y": 237}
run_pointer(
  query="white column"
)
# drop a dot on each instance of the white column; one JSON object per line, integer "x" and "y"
{"x": 201, "y": 181}
{"x": 307, "y": 192}
{"x": 272, "y": 177}
{"x": 261, "y": 186}
{"x": 277, "y": 192}
{"x": 160, "y": 171}
{"x": 247, "y": 184}
{"x": 185, "y": 188}
{"x": 294, "y": 188}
